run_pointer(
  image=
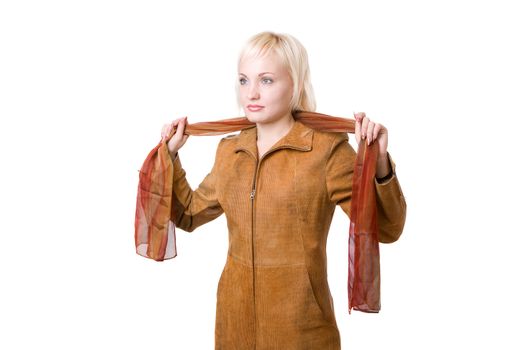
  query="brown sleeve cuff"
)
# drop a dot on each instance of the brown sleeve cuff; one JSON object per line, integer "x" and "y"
{"x": 384, "y": 180}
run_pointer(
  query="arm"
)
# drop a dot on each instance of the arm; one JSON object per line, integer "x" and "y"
{"x": 391, "y": 206}
{"x": 191, "y": 209}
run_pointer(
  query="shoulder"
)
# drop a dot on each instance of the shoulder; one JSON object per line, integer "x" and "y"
{"x": 336, "y": 146}
{"x": 240, "y": 136}
{"x": 329, "y": 140}
{"x": 229, "y": 136}
{"x": 230, "y": 141}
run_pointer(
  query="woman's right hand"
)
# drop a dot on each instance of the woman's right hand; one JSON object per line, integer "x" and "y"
{"x": 178, "y": 139}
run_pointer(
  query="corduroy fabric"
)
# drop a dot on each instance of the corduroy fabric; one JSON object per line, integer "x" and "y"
{"x": 273, "y": 291}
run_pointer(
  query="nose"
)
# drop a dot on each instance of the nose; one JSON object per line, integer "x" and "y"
{"x": 253, "y": 92}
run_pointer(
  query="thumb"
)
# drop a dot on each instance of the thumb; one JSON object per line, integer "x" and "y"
{"x": 357, "y": 131}
{"x": 180, "y": 127}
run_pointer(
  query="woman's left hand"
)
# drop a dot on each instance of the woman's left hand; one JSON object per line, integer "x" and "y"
{"x": 365, "y": 128}
{"x": 371, "y": 132}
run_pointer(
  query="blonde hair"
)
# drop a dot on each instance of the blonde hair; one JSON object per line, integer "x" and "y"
{"x": 294, "y": 57}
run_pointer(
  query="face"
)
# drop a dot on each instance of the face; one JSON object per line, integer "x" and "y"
{"x": 265, "y": 82}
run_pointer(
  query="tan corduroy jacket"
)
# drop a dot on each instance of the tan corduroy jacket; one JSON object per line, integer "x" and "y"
{"x": 273, "y": 292}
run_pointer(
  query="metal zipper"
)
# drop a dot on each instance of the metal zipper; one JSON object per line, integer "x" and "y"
{"x": 252, "y": 199}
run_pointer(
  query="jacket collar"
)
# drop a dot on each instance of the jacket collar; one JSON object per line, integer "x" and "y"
{"x": 299, "y": 137}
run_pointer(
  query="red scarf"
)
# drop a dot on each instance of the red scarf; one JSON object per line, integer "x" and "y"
{"x": 155, "y": 232}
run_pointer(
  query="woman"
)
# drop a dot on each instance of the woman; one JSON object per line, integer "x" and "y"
{"x": 278, "y": 184}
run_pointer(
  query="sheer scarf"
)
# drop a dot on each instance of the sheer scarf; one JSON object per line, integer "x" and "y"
{"x": 155, "y": 232}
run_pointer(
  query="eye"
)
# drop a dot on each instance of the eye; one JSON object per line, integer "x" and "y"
{"x": 268, "y": 79}
{"x": 241, "y": 81}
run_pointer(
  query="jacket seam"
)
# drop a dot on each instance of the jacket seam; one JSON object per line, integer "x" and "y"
{"x": 325, "y": 167}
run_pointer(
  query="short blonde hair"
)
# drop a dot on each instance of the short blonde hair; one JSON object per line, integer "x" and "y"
{"x": 295, "y": 58}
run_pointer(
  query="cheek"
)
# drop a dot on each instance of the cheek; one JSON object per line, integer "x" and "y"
{"x": 282, "y": 96}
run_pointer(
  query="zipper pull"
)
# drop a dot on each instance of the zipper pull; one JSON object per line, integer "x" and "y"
{"x": 252, "y": 195}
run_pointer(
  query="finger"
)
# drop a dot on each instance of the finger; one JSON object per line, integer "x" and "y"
{"x": 357, "y": 128}
{"x": 180, "y": 127}
{"x": 185, "y": 123}
{"x": 175, "y": 122}
{"x": 167, "y": 132}
{"x": 164, "y": 130}
{"x": 377, "y": 129}
{"x": 370, "y": 131}
{"x": 364, "y": 127}
{"x": 359, "y": 116}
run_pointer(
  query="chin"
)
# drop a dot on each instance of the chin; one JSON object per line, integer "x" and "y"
{"x": 256, "y": 117}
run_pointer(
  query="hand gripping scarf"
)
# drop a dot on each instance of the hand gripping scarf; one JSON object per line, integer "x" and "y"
{"x": 155, "y": 232}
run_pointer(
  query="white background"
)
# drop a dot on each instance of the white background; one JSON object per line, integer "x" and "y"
{"x": 85, "y": 87}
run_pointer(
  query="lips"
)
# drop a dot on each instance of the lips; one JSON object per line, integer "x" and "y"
{"x": 255, "y": 108}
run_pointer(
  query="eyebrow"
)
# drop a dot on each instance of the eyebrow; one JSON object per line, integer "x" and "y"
{"x": 259, "y": 73}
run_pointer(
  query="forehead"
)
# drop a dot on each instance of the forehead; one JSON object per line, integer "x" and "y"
{"x": 265, "y": 63}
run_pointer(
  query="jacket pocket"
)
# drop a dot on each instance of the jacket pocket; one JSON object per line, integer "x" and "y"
{"x": 285, "y": 299}
{"x": 310, "y": 294}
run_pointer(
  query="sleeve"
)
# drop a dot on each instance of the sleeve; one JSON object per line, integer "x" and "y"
{"x": 191, "y": 209}
{"x": 391, "y": 206}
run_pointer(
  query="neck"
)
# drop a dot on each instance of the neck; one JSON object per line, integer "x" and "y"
{"x": 275, "y": 130}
